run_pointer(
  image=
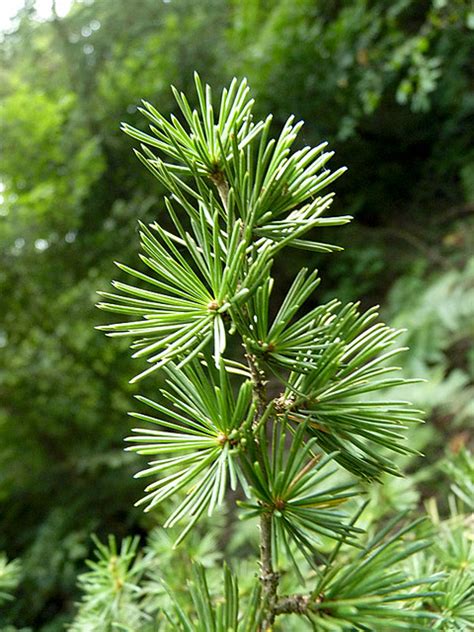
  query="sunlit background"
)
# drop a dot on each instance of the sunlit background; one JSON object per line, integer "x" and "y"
{"x": 43, "y": 8}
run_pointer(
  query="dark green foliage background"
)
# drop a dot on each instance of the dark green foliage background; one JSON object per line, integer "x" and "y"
{"x": 388, "y": 84}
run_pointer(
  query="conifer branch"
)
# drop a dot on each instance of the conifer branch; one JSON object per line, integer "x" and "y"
{"x": 237, "y": 198}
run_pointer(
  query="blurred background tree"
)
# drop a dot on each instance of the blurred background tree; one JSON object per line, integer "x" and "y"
{"x": 389, "y": 84}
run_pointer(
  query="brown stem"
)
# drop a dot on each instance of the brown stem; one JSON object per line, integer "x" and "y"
{"x": 268, "y": 576}
{"x": 259, "y": 383}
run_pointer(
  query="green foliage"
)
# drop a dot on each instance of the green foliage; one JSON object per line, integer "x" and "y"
{"x": 439, "y": 330}
{"x": 71, "y": 193}
{"x": 453, "y": 554}
{"x": 220, "y": 617}
{"x": 374, "y": 50}
{"x": 395, "y": 565}
{"x": 287, "y": 485}
{"x": 419, "y": 576}
{"x": 128, "y": 591}
{"x": 328, "y": 394}
{"x": 366, "y": 593}
{"x": 331, "y": 371}
{"x": 460, "y": 469}
{"x": 230, "y": 261}
{"x": 110, "y": 588}
{"x": 210, "y": 436}
{"x": 207, "y": 432}
{"x": 9, "y": 577}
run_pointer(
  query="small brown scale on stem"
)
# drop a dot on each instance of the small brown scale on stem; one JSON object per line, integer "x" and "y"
{"x": 233, "y": 440}
{"x": 222, "y": 439}
{"x": 266, "y": 347}
{"x": 279, "y": 504}
{"x": 217, "y": 177}
{"x": 283, "y": 404}
{"x": 213, "y": 306}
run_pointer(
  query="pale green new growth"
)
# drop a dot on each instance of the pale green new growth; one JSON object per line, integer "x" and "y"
{"x": 9, "y": 577}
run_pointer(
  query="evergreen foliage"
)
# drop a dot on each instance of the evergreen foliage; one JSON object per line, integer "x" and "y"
{"x": 9, "y": 577}
{"x": 375, "y": 587}
{"x": 236, "y": 198}
{"x": 388, "y": 86}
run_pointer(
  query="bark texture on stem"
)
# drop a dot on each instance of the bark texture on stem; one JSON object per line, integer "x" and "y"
{"x": 259, "y": 384}
{"x": 268, "y": 576}
{"x": 293, "y": 604}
